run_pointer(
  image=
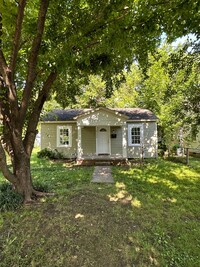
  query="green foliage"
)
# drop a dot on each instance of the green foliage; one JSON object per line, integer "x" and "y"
{"x": 50, "y": 154}
{"x": 9, "y": 199}
{"x": 124, "y": 91}
{"x": 42, "y": 186}
{"x": 84, "y": 38}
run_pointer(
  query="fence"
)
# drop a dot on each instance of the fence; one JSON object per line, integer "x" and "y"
{"x": 191, "y": 151}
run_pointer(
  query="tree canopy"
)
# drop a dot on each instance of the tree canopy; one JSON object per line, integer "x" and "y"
{"x": 52, "y": 47}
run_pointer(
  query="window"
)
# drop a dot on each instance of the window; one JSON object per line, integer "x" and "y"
{"x": 135, "y": 134}
{"x": 103, "y": 130}
{"x": 64, "y": 136}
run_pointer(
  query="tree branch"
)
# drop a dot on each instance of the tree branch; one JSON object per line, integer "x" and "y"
{"x": 7, "y": 79}
{"x": 31, "y": 75}
{"x": 4, "y": 168}
{"x": 35, "y": 115}
{"x": 16, "y": 41}
{"x": 3, "y": 65}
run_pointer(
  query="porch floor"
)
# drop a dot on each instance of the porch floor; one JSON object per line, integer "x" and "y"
{"x": 103, "y": 160}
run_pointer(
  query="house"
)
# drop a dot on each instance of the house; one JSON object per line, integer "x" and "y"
{"x": 101, "y": 133}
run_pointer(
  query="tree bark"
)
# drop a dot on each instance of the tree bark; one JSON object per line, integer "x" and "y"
{"x": 20, "y": 178}
{"x": 4, "y": 168}
{"x": 24, "y": 183}
{"x": 35, "y": 115}
{"x": 32, "y": 62}
{"x": 17, "y": 36}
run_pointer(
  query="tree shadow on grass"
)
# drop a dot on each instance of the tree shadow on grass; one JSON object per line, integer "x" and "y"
{"x": 159, "y": 180}
{"x": 163, "y": 201}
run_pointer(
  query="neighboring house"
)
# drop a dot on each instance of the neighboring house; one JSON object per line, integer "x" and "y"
{"x": 96, "y": 133}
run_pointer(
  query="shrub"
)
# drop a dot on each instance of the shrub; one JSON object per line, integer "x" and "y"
{"x": 9, "y": 199}
{"x": 50, "y": 154}
{"x": 42, "y": 186}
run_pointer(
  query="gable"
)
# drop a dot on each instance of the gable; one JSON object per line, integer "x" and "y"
{"x": 101, "y": 116}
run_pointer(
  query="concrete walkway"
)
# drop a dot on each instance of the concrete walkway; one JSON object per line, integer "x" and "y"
{"x": 102, "y": 174}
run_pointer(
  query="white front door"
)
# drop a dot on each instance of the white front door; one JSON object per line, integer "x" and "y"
{"x": 103, "y": 140}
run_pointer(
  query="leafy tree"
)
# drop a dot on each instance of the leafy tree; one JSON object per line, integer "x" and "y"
{"x": 51, "y": 47}
{"x": 93, "y": 94}
{"x": 171, "y": 90}
{"x": 124, "y": 93}
{"x": 127, "y": 93}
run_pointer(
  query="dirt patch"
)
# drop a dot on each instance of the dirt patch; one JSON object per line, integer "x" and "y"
{"x": 101, "y": 234}
{"x": 84, "y": 229}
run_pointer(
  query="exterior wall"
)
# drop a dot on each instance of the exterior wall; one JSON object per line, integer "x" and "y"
{"x": 49, "y": 138}
{"x": 116, "y": 143}
{"x": 149, "y": 148}
{"x": 88, "y": 135}
{"x": 88, "y": 140}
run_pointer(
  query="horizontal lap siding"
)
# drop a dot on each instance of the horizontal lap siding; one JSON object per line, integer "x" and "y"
{"x": 49, "y": 135}
{"x": 149, "y": 149}
{"x": 49, "y": 138}
{"x": 88, "y": 140}
{"x": 116, "y": 143}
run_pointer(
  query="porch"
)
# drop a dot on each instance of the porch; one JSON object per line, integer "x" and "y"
{"x": 101, "y": 143}
{"x": 101, "y": 160}
{"x": 102, "y": 137}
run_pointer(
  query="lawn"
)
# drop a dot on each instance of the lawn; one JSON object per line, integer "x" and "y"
{"x": 149, "y": 217}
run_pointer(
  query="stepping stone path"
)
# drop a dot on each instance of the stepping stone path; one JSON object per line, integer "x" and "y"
{"x": 102, "y": 174}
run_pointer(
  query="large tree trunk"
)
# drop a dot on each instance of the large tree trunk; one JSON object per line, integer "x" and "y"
{"x": 24, "y": 183}
{"x": 20, "y": 177}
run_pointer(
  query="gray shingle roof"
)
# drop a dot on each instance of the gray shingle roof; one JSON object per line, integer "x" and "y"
{"x": 135, "y": 114}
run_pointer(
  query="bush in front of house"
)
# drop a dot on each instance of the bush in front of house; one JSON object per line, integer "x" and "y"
{"x": 50, "y": 154}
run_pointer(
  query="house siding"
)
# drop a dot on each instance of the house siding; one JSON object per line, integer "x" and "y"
{"x": 49, "y": 138}
{"x": 149, "y": 149}
{"x": 84, "y": 135}
{"x": 88, "y": 135}
{"x": 116, "y": 143}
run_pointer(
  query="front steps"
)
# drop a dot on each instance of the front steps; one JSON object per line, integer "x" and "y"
{"x": 101, "y": 162}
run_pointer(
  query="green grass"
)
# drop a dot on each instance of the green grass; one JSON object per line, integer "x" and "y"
{"x": 149, "y": 217}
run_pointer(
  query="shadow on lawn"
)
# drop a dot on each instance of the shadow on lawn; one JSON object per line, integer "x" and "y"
{"x": 163, "y": 202}
{"x": 161, "y": 181}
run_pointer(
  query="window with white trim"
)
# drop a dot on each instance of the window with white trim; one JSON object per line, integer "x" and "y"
{"x": 135, "y": 134}
{"x": 64, "y": 136}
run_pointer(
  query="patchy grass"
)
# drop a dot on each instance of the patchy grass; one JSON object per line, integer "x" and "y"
{"x": 149, "y": 217}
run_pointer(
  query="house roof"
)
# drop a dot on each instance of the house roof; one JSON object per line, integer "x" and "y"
{"x": 137, "y": 113}
{"x": 133, "y": 114}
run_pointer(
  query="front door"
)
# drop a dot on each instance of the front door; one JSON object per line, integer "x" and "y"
{"x": 103, "y": 140}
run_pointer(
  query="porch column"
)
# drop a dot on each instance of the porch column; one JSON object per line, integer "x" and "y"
{"x": 124, "y": 140}
{"x": 79, "y": 145}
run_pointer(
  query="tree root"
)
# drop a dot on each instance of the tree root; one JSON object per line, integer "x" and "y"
{"x": 42, "y": 194}
{"x": 29, "y": 202}
{"x": 36, "y": 194}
